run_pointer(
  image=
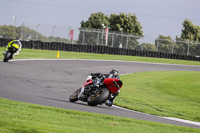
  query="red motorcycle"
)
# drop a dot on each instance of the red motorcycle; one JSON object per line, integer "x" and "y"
{"x": 97, "y": 95}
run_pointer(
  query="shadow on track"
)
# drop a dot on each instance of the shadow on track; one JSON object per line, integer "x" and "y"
{"x": 77, "y": 103}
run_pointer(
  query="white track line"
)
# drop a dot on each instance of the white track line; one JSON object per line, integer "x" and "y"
{"x": 182, "y": 120}
{"x": 169, "y": 118}
{"x": 103, "y": 60}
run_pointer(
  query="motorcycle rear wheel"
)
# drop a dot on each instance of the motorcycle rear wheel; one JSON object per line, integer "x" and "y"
{"x": 7, "y": 56}
{"x": 74, "y": 96}
{"x": 98, "y": 98}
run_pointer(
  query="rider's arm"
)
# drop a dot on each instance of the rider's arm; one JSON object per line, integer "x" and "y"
{"x": 9, "y": 44}
{"x": 17, "y": 53}
{"x": 94, "y": 75}
{"x": 20, "y": 47}
{"x": 106, "y": 75}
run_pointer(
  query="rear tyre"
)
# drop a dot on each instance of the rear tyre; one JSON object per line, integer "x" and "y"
{"x": 98, "y": 98}
{"x": 4, "y": 60}
{"x": 74, "y": 96}
{"x": 7, "y": 56}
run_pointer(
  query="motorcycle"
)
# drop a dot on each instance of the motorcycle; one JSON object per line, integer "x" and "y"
{"x": 97, "y": 95}
{"x": 9, "y": 53}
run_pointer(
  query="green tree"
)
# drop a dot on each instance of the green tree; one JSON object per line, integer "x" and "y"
{"x": 28, "y": 34}
{"x": 7, "y": 31}
{"x": 190, "y": 31}
{"x": 164, "y": 44}
{"x": 125, "y": 25}
{"x": 191, "y": 35}
{"x": 148, "y": 47}
{"x": 194, "y": 49}
{"x": 95, "y": 21}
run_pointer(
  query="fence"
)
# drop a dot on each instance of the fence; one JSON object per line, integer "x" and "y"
{"x": 74, "y": 35}
{"x": 98, "y": 49}
{"x": 111, "y": 38}
{"x": 178, "y": 47}
{"x": 127, "y": 41}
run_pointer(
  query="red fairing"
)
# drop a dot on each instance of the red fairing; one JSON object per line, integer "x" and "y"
{"x": 109, "y": 82}
{"x": 89, "y": 81}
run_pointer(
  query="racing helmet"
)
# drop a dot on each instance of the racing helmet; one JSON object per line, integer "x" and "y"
{"x": 18, "y": 38}
{"x": 17, "y": 42}
{"x": 113, "y": 74}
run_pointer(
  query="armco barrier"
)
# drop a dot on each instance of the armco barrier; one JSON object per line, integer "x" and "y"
{"x": 97, "y": 49}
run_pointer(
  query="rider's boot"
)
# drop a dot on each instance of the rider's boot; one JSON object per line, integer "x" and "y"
{"x": 109, "y": 103}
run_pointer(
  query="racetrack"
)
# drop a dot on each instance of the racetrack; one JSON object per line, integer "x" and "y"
{"x": 51, "y": 82}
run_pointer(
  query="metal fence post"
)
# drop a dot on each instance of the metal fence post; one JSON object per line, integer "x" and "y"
{"x": 21, "y": 36}
{"x": 83, "y": 37}
{"x": 112, "y": 39}
{"x": 37, "y": 32}
{"x": 157, "y": 44}
{"x": 68, "y": 32}
{"x": 173, "y": 48}
{"x": 127, "y": 43}
{"x": 102, "y": 36}
{"x": 142, "y": 45}
{"x": 98, "y": 38}
{"x": 188, "y": 48}
{"x": 52, "y": 32}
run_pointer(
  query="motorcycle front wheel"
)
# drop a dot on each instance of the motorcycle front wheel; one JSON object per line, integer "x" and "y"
{"x": 74, "y": 96}
{"x": 98, "y": 98}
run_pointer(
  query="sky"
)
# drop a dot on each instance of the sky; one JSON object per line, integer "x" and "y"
{"x": 157, "y": 17}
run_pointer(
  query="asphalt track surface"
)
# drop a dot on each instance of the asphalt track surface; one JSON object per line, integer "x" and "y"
{"x": 51, "y": 82}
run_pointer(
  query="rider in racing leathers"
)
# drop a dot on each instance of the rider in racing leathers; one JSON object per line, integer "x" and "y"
{"x": 15, "y": 43}
{"x": 98, "y": 79}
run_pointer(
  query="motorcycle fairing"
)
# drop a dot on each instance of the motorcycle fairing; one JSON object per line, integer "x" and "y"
{"x": 109, "y": 82}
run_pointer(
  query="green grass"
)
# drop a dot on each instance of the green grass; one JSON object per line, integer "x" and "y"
{"x": 49, "y": 54}
{"x": 163, "y": 93}
{"x": 21, "y": 117}
{"x": 173, "y": 94}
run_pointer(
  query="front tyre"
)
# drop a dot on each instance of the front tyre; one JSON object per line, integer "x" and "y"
{"x": 98, "y": 98}
{"x": 74, "y": 96}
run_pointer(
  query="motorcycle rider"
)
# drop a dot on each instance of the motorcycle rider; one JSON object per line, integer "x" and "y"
{"x": 98, "y": 79}
{"x": 15, "y": 43}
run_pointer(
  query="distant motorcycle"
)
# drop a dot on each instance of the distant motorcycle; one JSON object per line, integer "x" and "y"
{"x": 97, "y": 95}
{"x": 9, "y": 53}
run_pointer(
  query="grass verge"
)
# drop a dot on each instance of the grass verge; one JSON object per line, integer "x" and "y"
{"x": 49, "y": 54}
{"x": 174, "y": 94}
{"x": 29, "y": 118}
{"x": 163, "y": 93}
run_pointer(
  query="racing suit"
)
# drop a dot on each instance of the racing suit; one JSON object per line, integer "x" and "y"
{"x": 15, "y": 43}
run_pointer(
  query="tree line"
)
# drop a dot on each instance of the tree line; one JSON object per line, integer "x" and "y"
{"x": 12, "y": 32}
{"x": 188, "y": 41}
{"x": 122, "y": 23}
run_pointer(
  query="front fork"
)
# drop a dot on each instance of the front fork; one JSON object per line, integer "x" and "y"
{"x": 82, "y": 90}
{"x": 86, "y": 90}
